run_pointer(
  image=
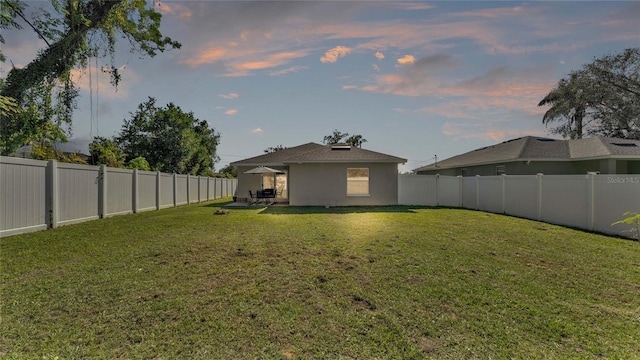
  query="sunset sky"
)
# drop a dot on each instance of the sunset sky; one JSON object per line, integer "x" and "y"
{"x": 416, "y": 79}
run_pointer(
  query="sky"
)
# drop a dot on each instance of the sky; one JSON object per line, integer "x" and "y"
{"x": 415, "y": 79}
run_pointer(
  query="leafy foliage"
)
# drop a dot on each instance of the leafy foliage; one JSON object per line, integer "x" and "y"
{"x": 338, "y": 137}
{"x": 75, "y": 31}
{"x": 105, "y": 152}
{"x": 603, "y": 98}
{"x": 169, "y": 139}
{"x": 272, "y": 149}
{"x": 229, "y": 171}
{"x": 633, "y": 219}
{"x": 139, "y": 163}
{"x": 46, "y": 151}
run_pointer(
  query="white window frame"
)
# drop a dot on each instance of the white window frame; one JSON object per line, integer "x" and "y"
{"x": 500, "y": 170}
{"x": 358, "y": 181}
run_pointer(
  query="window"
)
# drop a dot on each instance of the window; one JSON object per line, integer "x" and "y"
{"x": 358, "y": 181}
{"x": 500, "y": 170}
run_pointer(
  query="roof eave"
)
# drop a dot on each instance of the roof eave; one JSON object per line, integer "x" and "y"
{"x": 399, "y": 161}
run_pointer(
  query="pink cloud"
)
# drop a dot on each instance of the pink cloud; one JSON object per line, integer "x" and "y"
{"x": 292, "y": 69}
{"x": 406, "y": 60}
{"x": 501, "y": 12}
{"x": 97, "y": 80}
{"x": 332, "y": 55}
{"x": 495, "y": 131}
{"x": 256, "y": 131}
{"x": 207, "y": 56}
{"x": 229, "y": 96}
{"x": 231, "y": 112}
{"x": 175, "y": 9}
{"x": 379, "y": 55}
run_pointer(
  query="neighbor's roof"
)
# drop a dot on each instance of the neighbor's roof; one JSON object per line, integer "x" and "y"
{"x": 534, "y": 148}
{"x": 312, "y": 152}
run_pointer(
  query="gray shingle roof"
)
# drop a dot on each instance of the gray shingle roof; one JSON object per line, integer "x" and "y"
{"x": 313, "y": 152}
{"x": 543, "y": 149}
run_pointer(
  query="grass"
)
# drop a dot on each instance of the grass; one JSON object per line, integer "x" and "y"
{"x": 346, "y": 283}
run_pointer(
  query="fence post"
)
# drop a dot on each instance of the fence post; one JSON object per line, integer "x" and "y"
{"x": 477, "y": 192}
{"x": 199, "y": 195}
{"x": 208, "y": 188}
{"x": 175, "y": 190}
{"x": 437, "y": 190}
{"x": 460, "y": 191}
{"x": 539, "y": 196}
{"x": 158, "y": 192}
{"x": 591, "y": 206}
{"x": 188, "y": 189}
{"x": 102, "y": 188}
{"x": 54, "y": 214}
{"x": 504, "y": 192}
{"x": 134, "y": 191}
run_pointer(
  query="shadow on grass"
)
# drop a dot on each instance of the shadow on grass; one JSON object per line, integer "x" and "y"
{"x": 292, "y": 210}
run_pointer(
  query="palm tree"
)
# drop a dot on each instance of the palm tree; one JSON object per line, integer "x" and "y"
{"x": 569, "y": 104}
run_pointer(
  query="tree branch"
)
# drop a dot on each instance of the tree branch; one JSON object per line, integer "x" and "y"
{"x": 21, "y": 14}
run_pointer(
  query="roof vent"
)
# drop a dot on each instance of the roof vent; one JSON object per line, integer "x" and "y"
{"x": 340, "y": 147}
{"x": 625, "y": 144}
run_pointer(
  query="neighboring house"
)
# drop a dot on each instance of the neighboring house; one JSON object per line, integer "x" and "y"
{"x": 25, "y": 152}
{"x": 531, "y": 155}
{"x": 324, "y": 175}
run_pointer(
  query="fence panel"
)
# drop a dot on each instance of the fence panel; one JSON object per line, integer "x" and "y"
{"x": 490, "y": 196}
{"x": 36, "y": 195}
{"x": 218, "y": 188}
{"x": 416, "y": 190}
{"x": 78, "y": 193}
{"x": 211, "y": 188}
{"x": 147, "y": 190}
{"x": 564, "y": 200}
{"x": 119, "y": 191}
{"x": 166, "y": 190}
{"x": 181, "y": 190}
{"x": 193, "y": 189}
{"x": 469, "y": 192}
{"x": 521, "y": 196}
{"x": 449, "y": 191}
{"x": 614, "y": 195}
{"x": 203, "y": 184}
{"x": 23, "y": 192}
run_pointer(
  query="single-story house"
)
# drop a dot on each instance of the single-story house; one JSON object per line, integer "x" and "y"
{"x": 323, "y": 175}
{"x": 531, "y": 155}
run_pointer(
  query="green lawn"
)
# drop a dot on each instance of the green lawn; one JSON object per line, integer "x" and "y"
{"x": 345, "y": 283}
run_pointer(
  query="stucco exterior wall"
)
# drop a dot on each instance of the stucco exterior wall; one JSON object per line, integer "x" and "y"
{"x": 325, "y": 184}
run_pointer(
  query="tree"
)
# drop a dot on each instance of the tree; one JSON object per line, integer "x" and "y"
{"x": 74, "y": 32}
{"x": 229, "y": 171}
{"x": 568, "y": 102}
{"x": 335, "y": 138}
{"x": 274, "y": 149}
{"x": 139, "y": 163}
{"x": 356, "y": 140}
{"x": 338, "y": 137}
{"x": 603, "y": 98}
{"x": 169, "y": 139}
{"x": 105, "y": 152}
{"x": 46, "y": 151}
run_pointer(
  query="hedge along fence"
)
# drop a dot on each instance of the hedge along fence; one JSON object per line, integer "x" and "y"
{"x": 37, "y": 195}
{"x": 591, "y": 202}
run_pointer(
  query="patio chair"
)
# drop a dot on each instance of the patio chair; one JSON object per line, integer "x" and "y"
{"x": 252, "y": 198}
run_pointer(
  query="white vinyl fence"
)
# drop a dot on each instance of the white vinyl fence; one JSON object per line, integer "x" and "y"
{"x": 591, "y": 202}
{"x": 36, "y": 195}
